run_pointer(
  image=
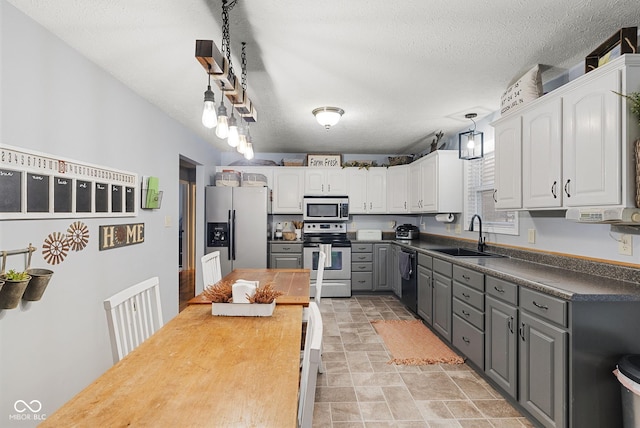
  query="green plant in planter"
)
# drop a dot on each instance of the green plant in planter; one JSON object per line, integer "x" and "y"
{"x": 634, "y": 103}
{"x": 12, "y": 275}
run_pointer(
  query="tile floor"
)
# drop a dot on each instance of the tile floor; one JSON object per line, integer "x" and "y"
{"x": 359, "y": 388}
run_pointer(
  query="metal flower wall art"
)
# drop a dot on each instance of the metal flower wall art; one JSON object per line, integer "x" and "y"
{"x": 56, "y": 246}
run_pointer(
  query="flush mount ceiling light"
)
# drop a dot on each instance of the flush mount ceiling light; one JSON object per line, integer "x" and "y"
{"x": 328, "y": 116}
{"x": 471, "y": 143}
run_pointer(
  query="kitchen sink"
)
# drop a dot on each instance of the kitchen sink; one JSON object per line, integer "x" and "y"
{"x": 464, "y": 252}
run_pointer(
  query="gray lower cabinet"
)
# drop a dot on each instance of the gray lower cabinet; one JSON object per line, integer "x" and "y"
{"x": 283, "y": 255}
{"x": 425, "y": 288}
{"x": 362, "y": 267}
{"x": 501, "y": 345}
{"x": 381, "y": 272}
{"x": 442, "y": 273}
{"x": 394, "y": 271}
{"x": 467, "y": 330}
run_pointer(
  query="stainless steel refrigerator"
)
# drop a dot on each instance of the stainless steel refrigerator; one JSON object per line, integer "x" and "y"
{"x": 237, "y": 226}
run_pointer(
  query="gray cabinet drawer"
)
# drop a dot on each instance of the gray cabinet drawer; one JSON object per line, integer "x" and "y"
{"x": 361, "y": 248}
{"x": 544, "y": 306}
{"x": 362, "y": 280}
{"x": 361, "y": 257}
{"x": 469, "y": 313}
{"x": 468, "y": 340}
{"x": 425, "y": 261}
{"x": 468, "y": 295}
{"x": 502, "y": 290}
{"x": 362, "y": 267}
{"x": 281, "y": 247}
{"x": 469, "y": 277}
{"x": 442, "y": 267}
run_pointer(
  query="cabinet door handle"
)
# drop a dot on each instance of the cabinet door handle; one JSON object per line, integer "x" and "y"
{"x": 329, "y": 187}
{"x": 566, "y": 188}
{"x": 522, "y": 331}
{"x": 405, "y": 205}
{"x": 466, "y": 296}
{"x": 553, "y": 189}
{"x": 370, "y": 205}
{"x": 510, "y": 325}
{"x": 465, "y": 340}
{"x": 364, "y": 205}
{"x": 494, "y": 195}
{"x": 465, "y": 313}
{"x": 537, "y": 305}
{"x": 467, "y": 278}
{"x": 498, "y": 289}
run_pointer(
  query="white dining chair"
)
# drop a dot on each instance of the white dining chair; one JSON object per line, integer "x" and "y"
{"x": 211, "y": 272}
{"x": 310, "y": 364}
{"x": 133, "y": 315}
{"x": 318, "y": 296}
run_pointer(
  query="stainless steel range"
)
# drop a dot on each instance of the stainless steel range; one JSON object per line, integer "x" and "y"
{"x": 332, "y": 237}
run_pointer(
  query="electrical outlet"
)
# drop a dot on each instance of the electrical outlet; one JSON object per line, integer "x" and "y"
{"x": 353, "y": 225}
{"x": 167, "y": 221}
{"x": 458, "y": 228}
{"x": 532, "y": 236}
{"x": 448, "y": 227}
{"x": 625, "y": 245}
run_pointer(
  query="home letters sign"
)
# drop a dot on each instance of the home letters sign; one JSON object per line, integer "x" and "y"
{"x": 120, "y": 235}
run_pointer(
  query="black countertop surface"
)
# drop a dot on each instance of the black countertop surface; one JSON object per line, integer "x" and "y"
{"x": 553, "y": 280}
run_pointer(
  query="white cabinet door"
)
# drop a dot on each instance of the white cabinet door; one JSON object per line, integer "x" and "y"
{"x": 336, "y": 181}
{"x": 357, "y": 190}
{"x": 508, "y": 152}
{"x": 592, "y": 143}
{"x": 314, "y": 181}
{"x": 398, "y": 189}
{"x": 415, "y": 188}
{"x": 429, "y": 179}
{"x": 542, "y": 156}
{"x": 377, "y": 190}
{"x": 288, "y": 190}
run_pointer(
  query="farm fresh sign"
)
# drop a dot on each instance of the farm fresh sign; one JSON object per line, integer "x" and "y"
{"x": 324, "y": 161}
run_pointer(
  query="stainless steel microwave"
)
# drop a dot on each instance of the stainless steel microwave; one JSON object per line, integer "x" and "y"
{"x": 325, "y": 208}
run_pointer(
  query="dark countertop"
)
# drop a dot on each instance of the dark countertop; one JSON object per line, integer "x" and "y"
{"x": 553, "y": 280}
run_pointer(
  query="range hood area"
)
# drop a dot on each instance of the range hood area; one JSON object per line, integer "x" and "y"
{"x": 605, "y": 215}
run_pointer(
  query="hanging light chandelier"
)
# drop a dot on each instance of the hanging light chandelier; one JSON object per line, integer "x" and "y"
{"x": 471, "y": 143}
{"x": 218, "y": 66}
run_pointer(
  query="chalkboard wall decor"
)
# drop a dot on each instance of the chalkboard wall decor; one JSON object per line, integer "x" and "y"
{"x": 40, "y": 185}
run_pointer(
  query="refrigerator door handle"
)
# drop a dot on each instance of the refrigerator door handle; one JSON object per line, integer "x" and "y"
{"x": 230, "y": 237}
{"x": 233, "y": 236}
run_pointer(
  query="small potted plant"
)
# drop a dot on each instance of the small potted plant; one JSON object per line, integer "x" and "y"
{"x": 13, "y": 288}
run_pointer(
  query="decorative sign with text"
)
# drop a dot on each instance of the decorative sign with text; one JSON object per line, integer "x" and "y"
{"x": 120, "y": 235}
{"x": 324, "y": 161}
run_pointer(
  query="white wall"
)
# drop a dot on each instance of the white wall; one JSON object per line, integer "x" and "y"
{"x": 55, "y": 101}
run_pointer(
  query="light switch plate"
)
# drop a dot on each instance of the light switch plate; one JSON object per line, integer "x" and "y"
{"x": 532, "y": 236}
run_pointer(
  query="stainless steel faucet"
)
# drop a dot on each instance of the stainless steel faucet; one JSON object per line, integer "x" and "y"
{"x": 481, "y": 243}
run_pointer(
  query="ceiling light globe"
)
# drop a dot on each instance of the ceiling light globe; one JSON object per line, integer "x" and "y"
{"x": 328, "y": 116}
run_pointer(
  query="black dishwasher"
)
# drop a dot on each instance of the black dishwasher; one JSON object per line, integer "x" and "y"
{"x": 408, "y": 272}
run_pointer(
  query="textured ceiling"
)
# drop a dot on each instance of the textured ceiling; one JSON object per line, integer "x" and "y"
{"x": 401, "y": 70}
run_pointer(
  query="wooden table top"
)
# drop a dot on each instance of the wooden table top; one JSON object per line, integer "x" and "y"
{"x": 199, "y": 370}
{"x": 293, "y": 282}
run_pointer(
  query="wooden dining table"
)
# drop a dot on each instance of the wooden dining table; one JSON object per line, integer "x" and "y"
{"x": 294, "y": 283}
{"x": 199, "y": 370}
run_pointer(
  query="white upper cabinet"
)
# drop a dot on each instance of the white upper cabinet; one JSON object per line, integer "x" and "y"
{"x": 325, "y": 181}
{"x": 288, "y": 190}
{"x": 398, "y": 189}
{"x": 508, "y": 176}
{"x": 592, "y": 142}
{"x": 577, "y": 144}
{"x": 367, "y": 190}
{"x": 435, "y": 183}
{"x": 542, "y": 156}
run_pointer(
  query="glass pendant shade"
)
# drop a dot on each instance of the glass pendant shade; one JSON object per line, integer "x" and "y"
{"x": 242, "y": 144}
{"x": 234, "y": 137}
{"x": 222, "y": 130}
{"x": 248, "y": 154}
{"x": 470, "y": 145}
{"x": 209, "y": 117}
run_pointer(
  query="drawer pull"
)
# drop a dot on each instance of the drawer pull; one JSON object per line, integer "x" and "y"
{"x": 498, "y": 289}
{"x": 537, "y": 305}
{"x": 286, "y": 248}
{"x": 465, "y": 340}
{"x": 465, "y": 313}
{"x": 465, "y": 295}
{"x": 362, "y": 281}
{"x": 361, "y": 267}
{"x": 467, "y": 278}
{"x": 362, "y": 257}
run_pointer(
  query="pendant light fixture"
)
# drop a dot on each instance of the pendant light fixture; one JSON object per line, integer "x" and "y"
{"x": 248, "y": 153}
{"x": 471, "y": 143}
{"x": 234, "y": 138}
{"x": 222, "y": 129}
{"x": 209, "y": 118}
{"x": 242, "y": 138}
{"x": 328, "y": 116}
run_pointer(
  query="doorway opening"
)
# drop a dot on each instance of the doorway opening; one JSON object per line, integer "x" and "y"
{"x": 186, "y": 232}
